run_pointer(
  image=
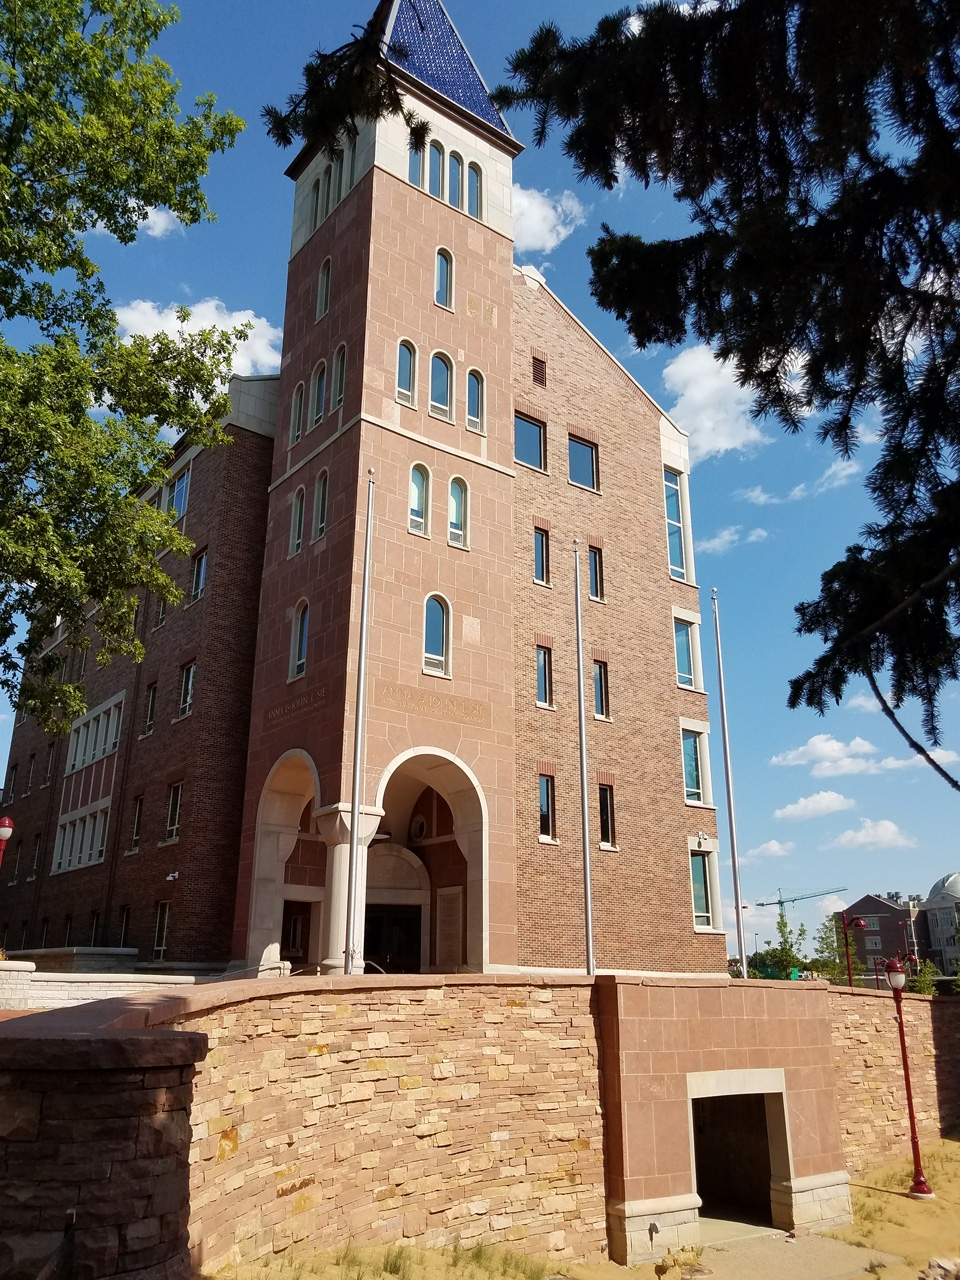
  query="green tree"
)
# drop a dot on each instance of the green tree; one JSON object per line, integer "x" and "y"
{"x": 829, "y": 954}
{"x": 815, "y": 147}
{"x": 786, "y": 955}
{"x": 90, "y": 137}
{"x": 922, "y": 983}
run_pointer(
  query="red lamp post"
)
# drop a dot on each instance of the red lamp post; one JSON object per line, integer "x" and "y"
{"x": 6, "y": 831}
{"x": 856, "y": 923}
{"x": 897, "y": 977}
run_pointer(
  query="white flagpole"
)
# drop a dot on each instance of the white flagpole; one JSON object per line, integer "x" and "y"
{"x": 731, "y": 815}
{"x": 358, "y": 735}
{"x": 584, "y": 797}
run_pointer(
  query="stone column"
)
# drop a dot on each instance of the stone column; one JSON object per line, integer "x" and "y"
{"x": 333, "y": 825}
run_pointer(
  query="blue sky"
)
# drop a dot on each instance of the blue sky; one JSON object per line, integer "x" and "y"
{"x": 821, "y": 802}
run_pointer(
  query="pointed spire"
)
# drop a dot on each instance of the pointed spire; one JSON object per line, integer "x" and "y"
{"x": 437, "y": 57}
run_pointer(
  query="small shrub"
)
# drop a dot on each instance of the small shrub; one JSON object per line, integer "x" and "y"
{"x": 481, "y": 1255}
{"x": 397, "y": 1262}
{"x": 348, "y": 1255}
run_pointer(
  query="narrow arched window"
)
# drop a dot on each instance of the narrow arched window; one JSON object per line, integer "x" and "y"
{"x": 475, "y": 401}
{"x": 436, "y": 636}
{"x": 296, "y": 522}
{"x": 296, "y": 415}
{"x": 320, "y": 504}
{"x": 415, "y": 166}
{"x": 326, "y": 193}
{"x": 419, "y": 499}
{"x": 337, "y": 184}
{"x": 406, "y": 372}
{"x": 315, "y": 205}
{"x": 441, "y": 383}
{"x": 435, "y": 174}
{"x": 339, "y": 378}
{"x": 323, "y": 290}
{"x": 444, "y": 281}
{"x": 350, "y": 164}
{"x": 455, "y": 182}
{"x": 298, "y": 654}
{"x": 474, "y": 192}
{"x": 318, "y": 388}
{"x": 457, "y": 530}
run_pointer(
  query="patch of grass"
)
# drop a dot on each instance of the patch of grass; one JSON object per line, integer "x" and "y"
{"x": 518, "y": 1264}
{"x": 481, "y": 1255}
{"x": 398, "y": 1262}
{"x": 348, "y": 1255}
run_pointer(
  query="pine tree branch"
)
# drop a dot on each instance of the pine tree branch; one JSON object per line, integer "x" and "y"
{"x": 916, "y": 746}
{"x": 951, "y": 571}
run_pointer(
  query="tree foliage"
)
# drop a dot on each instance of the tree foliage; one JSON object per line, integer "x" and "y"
{"x": 816, "y": 148}
{"x": 922, "y": 983}
{"x": 829, "y": 954}
{"x": 786, "y": 955}
{"x": 90, "y": 138}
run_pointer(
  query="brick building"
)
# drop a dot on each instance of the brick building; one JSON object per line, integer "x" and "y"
{"x": 498, "y": 431}
{"x": 894, "y": 925}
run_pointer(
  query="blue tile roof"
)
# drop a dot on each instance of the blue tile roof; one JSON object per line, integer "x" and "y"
{"x": 436, "y": 56}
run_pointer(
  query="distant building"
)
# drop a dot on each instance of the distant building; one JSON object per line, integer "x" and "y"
{"x": 941, "y": 908}
{"x": 894, "y": 924}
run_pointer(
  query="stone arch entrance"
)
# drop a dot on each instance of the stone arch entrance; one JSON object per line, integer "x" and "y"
{"x": 458, "y": 923}
{"x": 397, "y": 917}
{"x": 286, "y": 848}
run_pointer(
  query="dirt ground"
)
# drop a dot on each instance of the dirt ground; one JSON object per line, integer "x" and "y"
{"x": 888, "y": 1226}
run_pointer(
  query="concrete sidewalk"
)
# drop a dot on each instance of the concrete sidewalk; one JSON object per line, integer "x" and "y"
{"x": 773, "y": 1256}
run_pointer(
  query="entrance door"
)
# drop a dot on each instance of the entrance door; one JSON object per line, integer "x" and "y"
{"x": 295, "y": 933}
{"x": 732, "y": 1152}
{"x": 392, "y": 937}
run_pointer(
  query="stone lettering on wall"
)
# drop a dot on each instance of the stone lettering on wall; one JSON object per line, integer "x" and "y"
{"x": 440, "y": 706}
{"x": 315, "y": 700}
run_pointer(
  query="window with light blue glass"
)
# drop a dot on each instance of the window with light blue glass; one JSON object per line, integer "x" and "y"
{"x": 444, "y": 290}
{"x": 584, "y": 470}
{"x": 529, "y": 442}
{"x": 406, "y": 364}
{"x": 435, "y": 171}
{"x": 692, "y": 778}
{"x": 474, "y": 183}
{"x": 455, "y": 185}
{"x": 415, "y": 166}
{"x": 547, "y": 807}
{"x": 671, "y": 493}
{"x": 436, "y": 633}
{"x": 419, "y": 495}
{"x": 683, "y": 644}
{"x": 178, "y": 493}
{"x": 699, "y": 875}
{"x": 544, "y": 677}
{"x": 541, "y": 556}
{"x": 441, "y": 377}
{"x": 475, "y": 401}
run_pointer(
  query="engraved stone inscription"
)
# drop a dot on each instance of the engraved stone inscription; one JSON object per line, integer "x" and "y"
{"x": 439, "y": 706}
{"x": 315, "y": 700}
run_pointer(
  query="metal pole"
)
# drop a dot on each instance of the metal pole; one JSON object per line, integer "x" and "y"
{"x": 920, "y": 1188}
{"x": 584, "y": 798}
{"x": 348, "y": 947}
{"x": 846, "y": 943}
{"x": 728, "y": 773}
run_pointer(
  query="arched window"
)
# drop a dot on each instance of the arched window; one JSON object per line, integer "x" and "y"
{"x": 419, "y": 499}
{"x": 323, "y": 290}
{"x": 435, "y": 173}
{"x": 315, "y": 205}
{"x": 296, "y": 522}
{"x": 298, "y": 648}
{"x": 455, "y": 182}
{"x": 406, "y": 372}
{"x": 475, "y": 401}
{"x": 441, "y": 386}
{"x": 326, "y": 193}
{"x": 444, "y": 281}
{"x": 350, "y": 164}
{"x": 337, "y": 184}
{"x": 457, "y": 529}
{"x": 318, "y": 389}
{"x": 296, "y": 414}
{"x": 474, "y": 191}
{"x": 436, "y": 636}
{"x": 339, "y": 378}
{"x": 320, "y": 504}
{"x": 415, "y": 166}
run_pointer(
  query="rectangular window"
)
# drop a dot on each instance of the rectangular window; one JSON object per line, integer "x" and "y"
{"x": 124, "y": 926}
{"x": 702, "y": 913}
{"x": 116, "y": 716}
{"x": 544, "y": 677}
{"x": 67, "y": 929}
{"x": 49, "y": 771}
{"x": 584, "y": 463}
{"x": 674, "y": 509}
{"x": 94, "y": 927}
{"x": 541, "y": 556}
{"x": 151, "y": 708}
{"x": 199, "y": 575}
{"x": 16, "y": 859}
{"x": 173, "y": 812}
{"x": 178, "y": 492}
{"x": 872, "y": 944}
{"x": 137, "y": 822}
{"x": 44, "y": 930}
{"x": 11, "y": 785}
{"x": 31, "y": 765}
{"x": 608, "y": 829}
{"x": 529, "y": 442}
{"x": 683, "y": 646}
{"x": 872, "y": 922}
{"x": 596, "y": 573}
{"x": 187, "y": 680}
{"x": 547, "y": 807}
{"x": 37, "y": 846}
{"x": 102, "y": 833}
{"x": 691, "y": 766}
{"x": 160, "y": 934}
{"x": 601, "y": 691}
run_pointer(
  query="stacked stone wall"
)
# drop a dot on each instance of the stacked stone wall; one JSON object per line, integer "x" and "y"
{"x": 871, "y": 1100}
{"x": 412, "y": 1111}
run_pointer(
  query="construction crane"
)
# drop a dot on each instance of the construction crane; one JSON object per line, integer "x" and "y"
{"x": 781, "y": 901}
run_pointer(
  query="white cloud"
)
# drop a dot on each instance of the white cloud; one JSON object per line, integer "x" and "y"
{"x": 882, "y": 834}
{"x": 257, "y": 353}
{"x": 758, "y": 496}
{"x": 831, "y": 903}
{"x": 837, "y": 475}
{"x": 831, "y": 758}
{"x": 771, "y": 849}
{"x": 862, "y": 702}
{"x": 720, "y": 542}
{"x": 542, "y": 221}
{"x": 710, "y": 405}
{"x": 757, "y": 535}
{"x": 158, "y": 223}
{"x": 815, "y": 806}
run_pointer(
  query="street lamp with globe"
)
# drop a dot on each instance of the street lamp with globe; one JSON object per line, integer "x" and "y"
{"x": 857, "y": 922}
{"x": 897, "y": 977}
{"x": 6, "y": 831}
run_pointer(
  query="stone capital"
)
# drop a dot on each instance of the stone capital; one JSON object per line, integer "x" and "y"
{"x": 334, "y": 823}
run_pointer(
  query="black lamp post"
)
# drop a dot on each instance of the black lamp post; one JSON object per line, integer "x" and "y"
{"x": 856, "y": 923}
{"x": 897, "y": 977}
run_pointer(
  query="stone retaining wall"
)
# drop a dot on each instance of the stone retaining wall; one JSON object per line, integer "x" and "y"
{"x": 869, "y": 1071}
{"x": 23, "y": 986}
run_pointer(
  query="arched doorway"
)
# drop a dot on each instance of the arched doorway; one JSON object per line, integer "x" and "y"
{"x": 288, "y": 871}
{"x": 396, "y": 935}
{"x": 434, "y": 809}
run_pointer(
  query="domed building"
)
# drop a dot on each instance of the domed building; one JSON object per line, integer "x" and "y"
{"x": 942, "y": 908}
